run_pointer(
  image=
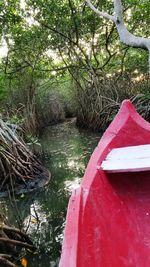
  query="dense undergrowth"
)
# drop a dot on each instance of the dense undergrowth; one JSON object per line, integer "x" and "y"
{"x": 98, "y": 104}
{"x": 35, "y": 105}
{"x": 94, "y": 104}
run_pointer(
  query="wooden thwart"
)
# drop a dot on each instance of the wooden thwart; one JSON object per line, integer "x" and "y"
{"x": 128, "y": 159}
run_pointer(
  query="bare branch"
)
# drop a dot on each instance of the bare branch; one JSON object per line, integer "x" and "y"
{"x": 126, "y": 37}
{"x": 100, "y": 13}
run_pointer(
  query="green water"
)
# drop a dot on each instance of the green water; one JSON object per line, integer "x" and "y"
{"x": 67, "y": 150}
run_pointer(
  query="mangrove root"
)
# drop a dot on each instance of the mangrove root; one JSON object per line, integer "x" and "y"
{"x": 11, "y": 240}
{"x": 17, "y": 163}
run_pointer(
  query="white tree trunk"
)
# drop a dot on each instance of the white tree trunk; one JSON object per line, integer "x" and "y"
{"x": 126, "y": 37}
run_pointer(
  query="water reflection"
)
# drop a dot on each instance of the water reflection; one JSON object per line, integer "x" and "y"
{"x": 36, "y": 220}
{"x": 43, "y": 213}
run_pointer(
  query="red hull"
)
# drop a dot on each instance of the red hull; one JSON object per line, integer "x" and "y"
{"x": 108, "y": 219}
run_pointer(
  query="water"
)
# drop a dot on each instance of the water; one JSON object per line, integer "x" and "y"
{"x": 68, "y": 150}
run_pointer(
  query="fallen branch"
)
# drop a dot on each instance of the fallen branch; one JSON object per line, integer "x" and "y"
{"x": 17, "y": 243}
{"x": 7, "y": 262}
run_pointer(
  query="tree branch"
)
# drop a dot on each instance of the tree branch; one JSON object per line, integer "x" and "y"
{"x": 100, "y": 13}
{"x": 126, "y": 37}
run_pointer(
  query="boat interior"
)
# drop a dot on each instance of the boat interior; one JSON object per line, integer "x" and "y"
{"x": 131, "y": 216}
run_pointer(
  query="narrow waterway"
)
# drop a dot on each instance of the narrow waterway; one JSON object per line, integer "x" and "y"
{"x": 67, "y": 151}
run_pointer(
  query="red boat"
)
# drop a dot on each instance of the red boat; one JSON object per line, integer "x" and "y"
{"x": 108, "y": 219}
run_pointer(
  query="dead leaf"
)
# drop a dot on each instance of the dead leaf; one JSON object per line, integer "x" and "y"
{"x": 24, "y": 262}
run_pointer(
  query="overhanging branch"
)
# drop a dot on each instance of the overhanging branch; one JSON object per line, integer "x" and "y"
{"x": 126, "y": 37}
{"x": 100, "y": 13}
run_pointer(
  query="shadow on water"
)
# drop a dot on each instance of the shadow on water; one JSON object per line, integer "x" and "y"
{"x": 43, "y": 212}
